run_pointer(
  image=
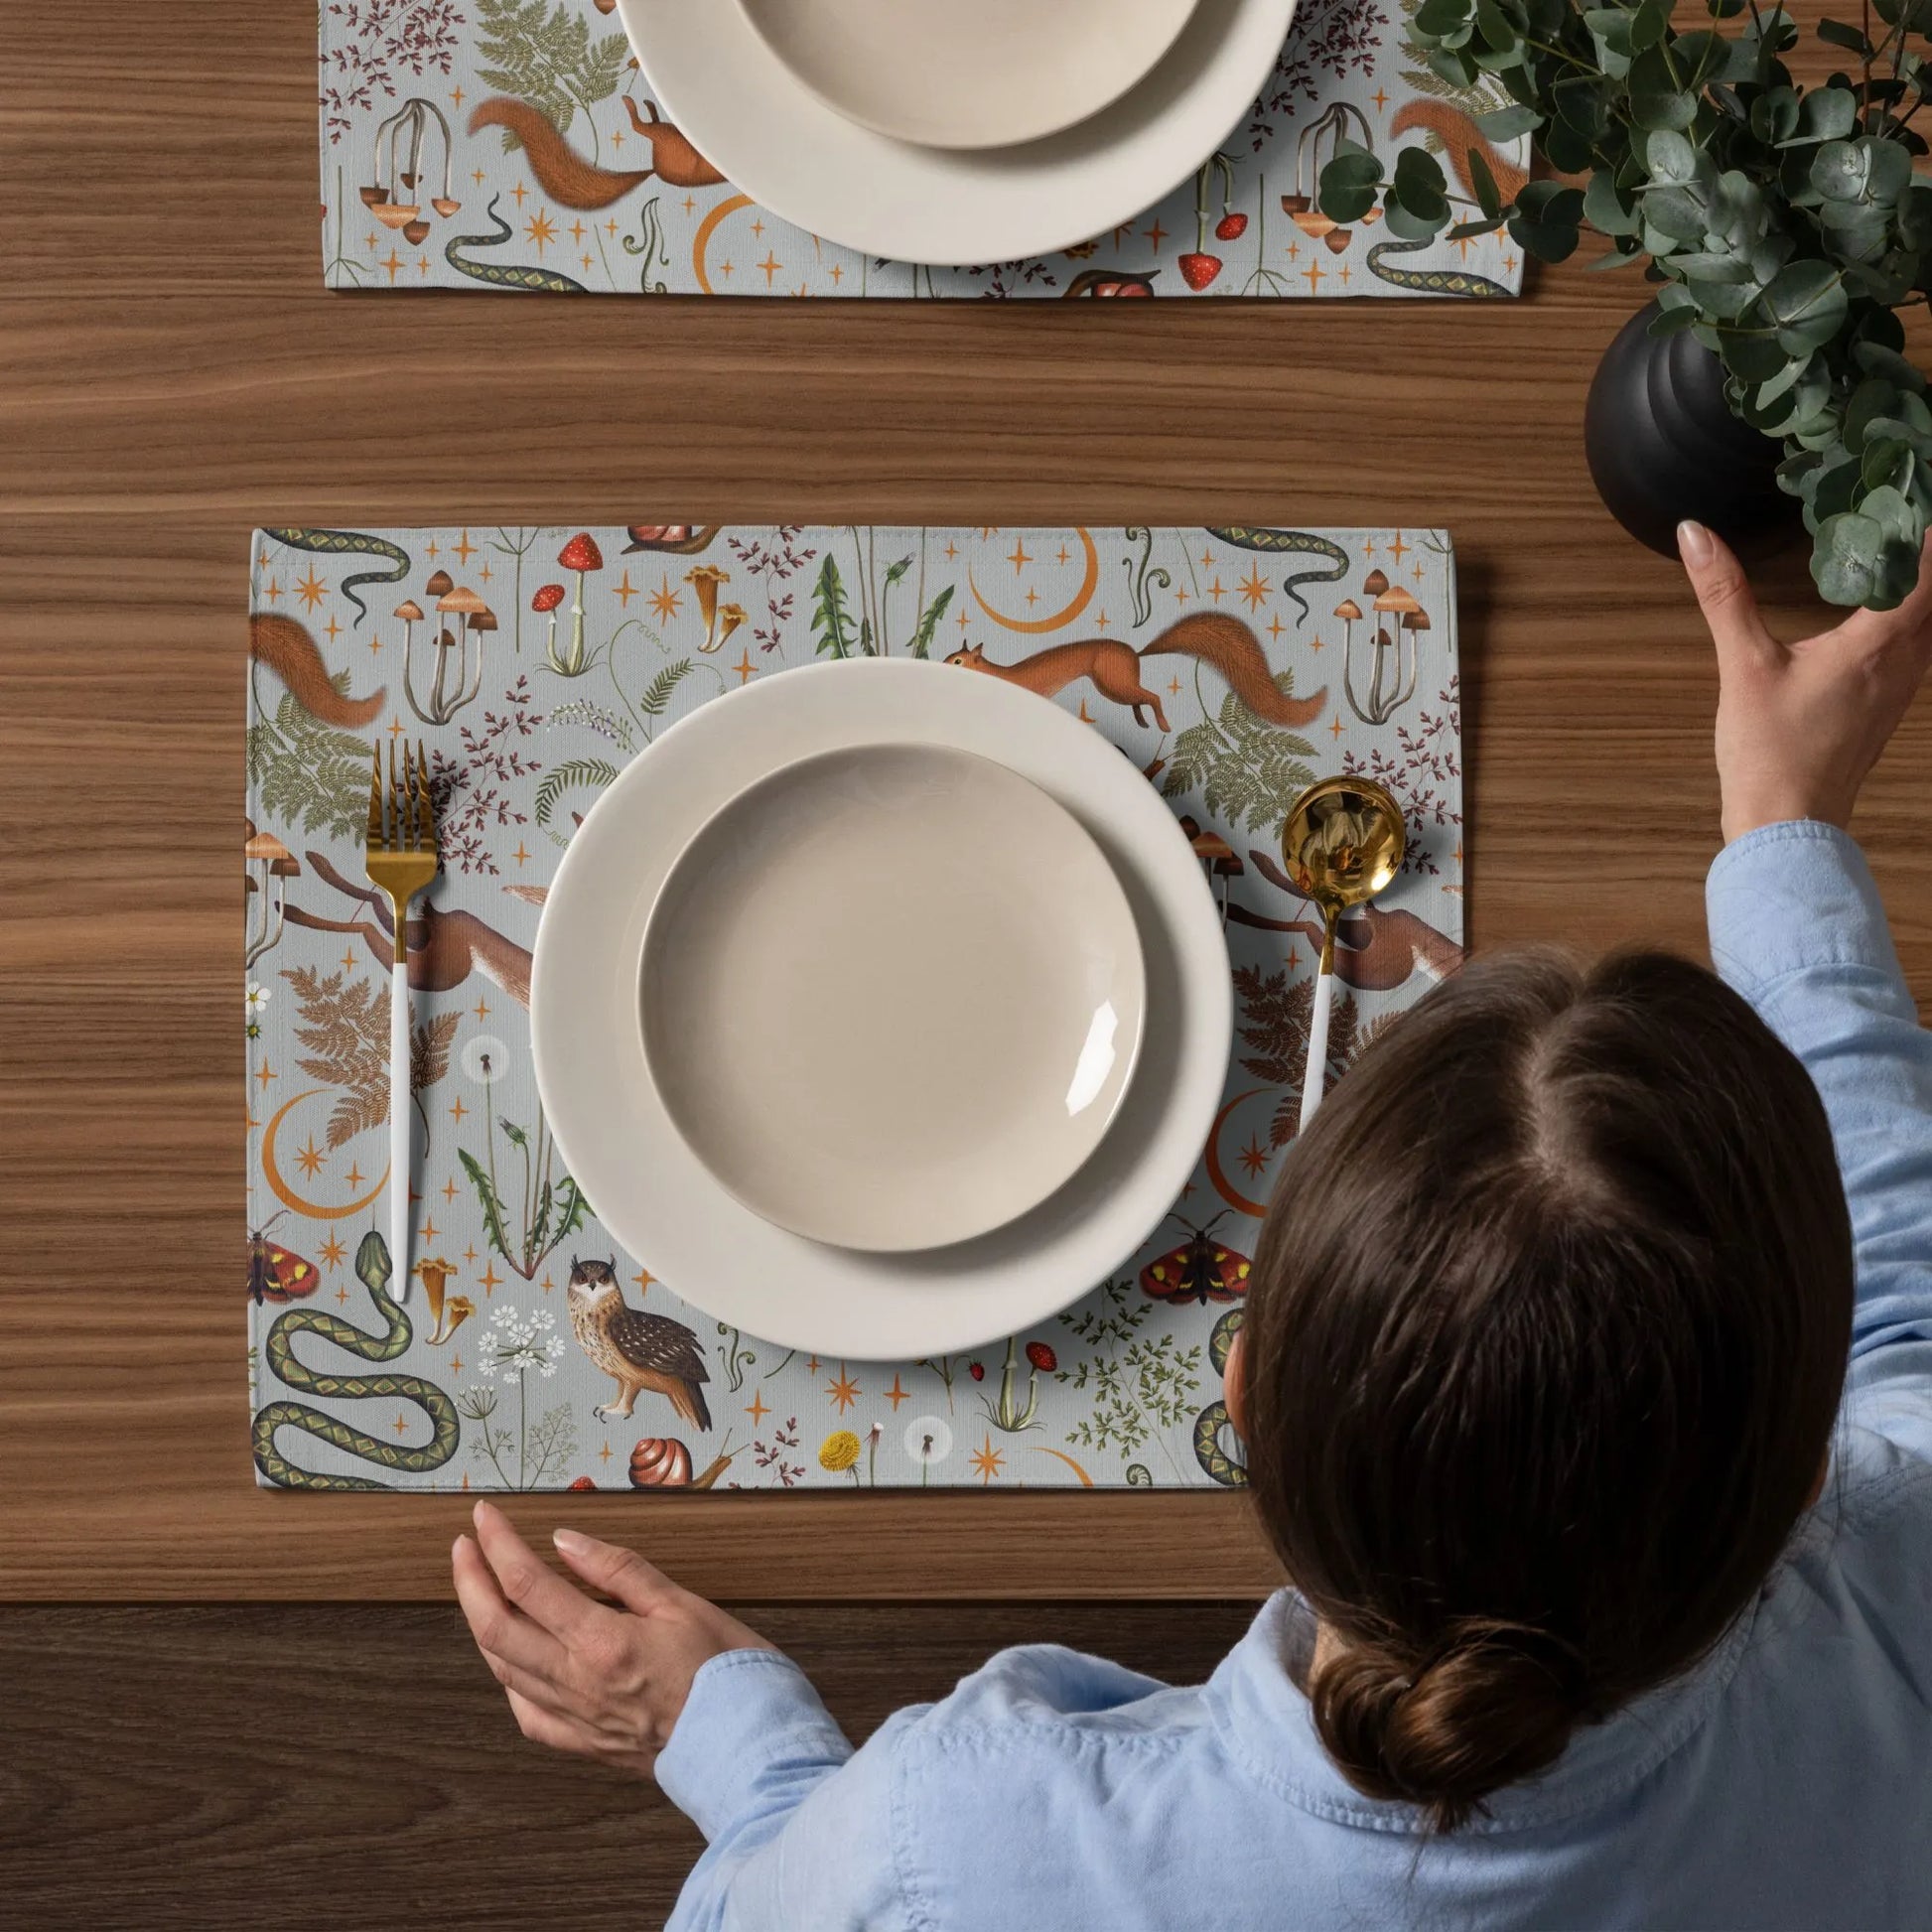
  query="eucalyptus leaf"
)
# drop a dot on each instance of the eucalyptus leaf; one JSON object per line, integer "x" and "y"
{"x": 1507, "y": 123}
{"x": 1656, "y": 99}
{"x": 1488, "y": 196}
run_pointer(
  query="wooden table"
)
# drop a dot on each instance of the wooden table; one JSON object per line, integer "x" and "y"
{"x": 173, "y": 374}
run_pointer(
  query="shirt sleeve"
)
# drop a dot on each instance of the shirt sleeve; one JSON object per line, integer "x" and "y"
{"x": 1798, "y": 929}
{"x": 753, "y": 1761}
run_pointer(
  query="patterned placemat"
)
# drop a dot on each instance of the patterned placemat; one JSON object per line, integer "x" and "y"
{"x": 540, "y": 162}
{"x": 1232, "y": 665}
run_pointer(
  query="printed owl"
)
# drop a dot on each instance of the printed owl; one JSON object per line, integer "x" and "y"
{"x": 636, "y": 1349}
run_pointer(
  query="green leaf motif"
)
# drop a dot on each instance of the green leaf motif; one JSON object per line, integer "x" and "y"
{"x": 1245, "y": 771}
{"x": 492, "y": 1208}
{"x": 309, "y": 776}
{"x": 831, "y": 621}
{"x": 563, "y": 777}
{"x": 545, "y": 54}
{"x": 657, "y": 693}
{"x": 928, "y": 626}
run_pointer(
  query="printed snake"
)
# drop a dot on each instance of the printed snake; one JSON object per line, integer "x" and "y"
{"x": 1430, "y": 281}
{"x": 1216, "y": 1461}
{"x": 372, "y": 1266}
{"x": 350, "y": 544}
{"x": 1291, "y": 543}
{"x": 505, "y": 275}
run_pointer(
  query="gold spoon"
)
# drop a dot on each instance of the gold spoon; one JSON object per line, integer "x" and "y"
{"x": 1341, "y": 845}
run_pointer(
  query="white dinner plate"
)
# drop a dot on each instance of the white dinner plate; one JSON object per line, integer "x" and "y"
{"x": 987, "y": 74}
{"x": 891, "y": 996}
{"x": 659, "y": 1200}
{"x": 779, "y": 142}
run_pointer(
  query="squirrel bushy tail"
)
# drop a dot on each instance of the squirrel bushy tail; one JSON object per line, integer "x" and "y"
{"x": 562, "y": 173}
{"x": 1458, "y": 134}
{"x": 1231, "y": 650}
{"x": 282, "y": 645}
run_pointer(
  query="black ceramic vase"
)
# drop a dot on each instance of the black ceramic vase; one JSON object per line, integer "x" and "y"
{"x": 1663, "y": 445}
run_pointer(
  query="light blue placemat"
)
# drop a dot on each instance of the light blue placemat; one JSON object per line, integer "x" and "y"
{"x": 540, "y": 164}
{"x": 1173, "y": 643}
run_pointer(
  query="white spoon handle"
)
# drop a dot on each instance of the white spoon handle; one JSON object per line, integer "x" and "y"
{"x": 1316, "y": 1077}
{"x": 400, "y": 1132}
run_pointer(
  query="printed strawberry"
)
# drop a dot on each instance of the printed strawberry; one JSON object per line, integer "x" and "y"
{"x": 977, "y": 1370}
{"x": 1231, "y": 227}
{"x": 1198, "y": 270}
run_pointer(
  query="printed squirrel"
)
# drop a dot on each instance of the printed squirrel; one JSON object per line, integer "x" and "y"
{"x": 567, "y": 177}
{"x": 1224, "y": 643}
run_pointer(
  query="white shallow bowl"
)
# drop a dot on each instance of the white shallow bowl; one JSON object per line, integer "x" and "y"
{"x": 891, "y": 996}
{"x": 988, "y": 75}
{"x": 663, "y": 1205}
{"x": 775, "y": 140}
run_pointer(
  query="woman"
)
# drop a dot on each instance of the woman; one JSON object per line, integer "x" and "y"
{"x": 1613, "y": 1589}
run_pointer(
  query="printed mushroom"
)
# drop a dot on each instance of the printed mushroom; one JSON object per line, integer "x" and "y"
{"x": 440, "y": 584}
{"x": 1219, "y": 859}
{"x": 266, "y": 859}
{"x": 1386, "y": 697}
{"x": 463, "y": 604}
{"x": 582, "y": 556}
{"x": 412, "y": 613}
{"x": 705, "y": 579}
{"x": 729, "y": 616}
{"x": 545, "y": 603}
{"x": 1374, "y": 584}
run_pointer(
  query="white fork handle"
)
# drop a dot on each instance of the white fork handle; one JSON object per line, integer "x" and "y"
{"x": 1316, "y": 1077}
{"x": 399, "y": 1168}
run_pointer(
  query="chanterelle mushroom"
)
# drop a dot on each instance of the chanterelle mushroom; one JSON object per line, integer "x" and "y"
{"x": 705, "y": 579}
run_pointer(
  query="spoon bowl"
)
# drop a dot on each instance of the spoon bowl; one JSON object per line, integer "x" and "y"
{"x": 1342, "y": 844}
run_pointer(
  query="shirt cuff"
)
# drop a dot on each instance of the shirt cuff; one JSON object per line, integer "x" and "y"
{"x": 1794, "y": 896}
{"x": 748, "y": 1712}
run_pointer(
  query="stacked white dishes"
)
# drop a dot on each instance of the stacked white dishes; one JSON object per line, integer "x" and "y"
{"x": 925, "y": 131}
{"x": 894, "y": 1049}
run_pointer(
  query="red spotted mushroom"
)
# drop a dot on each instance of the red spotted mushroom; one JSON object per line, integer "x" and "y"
{"x": 545, "y": 603}
{"x": 581, "y": 555}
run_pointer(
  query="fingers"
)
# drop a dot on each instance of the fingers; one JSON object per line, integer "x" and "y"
{"x": 637, "y": 1584}
{"x": 499, "y": 1631}
{"x": 529, "y": 1584}
{"x": 1723, "y": 594}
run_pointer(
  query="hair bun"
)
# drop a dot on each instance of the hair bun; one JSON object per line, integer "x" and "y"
{"x": 1493, "y": 1704}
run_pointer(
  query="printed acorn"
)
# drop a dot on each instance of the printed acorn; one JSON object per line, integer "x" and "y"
{"x": 1231, "y": 226}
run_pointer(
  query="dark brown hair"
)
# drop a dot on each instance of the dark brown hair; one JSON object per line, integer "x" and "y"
{"x": 1544, "y": 1340}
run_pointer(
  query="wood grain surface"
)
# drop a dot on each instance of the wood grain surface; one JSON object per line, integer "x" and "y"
{"x": 303, "y": 1768}
{"x": 172, "y": 373}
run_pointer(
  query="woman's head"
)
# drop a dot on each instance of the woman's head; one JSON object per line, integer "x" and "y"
{"x": 1543, "y": 1347}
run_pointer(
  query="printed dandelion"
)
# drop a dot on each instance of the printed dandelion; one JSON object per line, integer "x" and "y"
{"x": 839, "y": 1451}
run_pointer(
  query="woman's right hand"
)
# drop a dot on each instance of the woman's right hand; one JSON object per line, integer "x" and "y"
{"x": 1800, "y": 726}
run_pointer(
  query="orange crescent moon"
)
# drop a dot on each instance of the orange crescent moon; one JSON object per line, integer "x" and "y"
{"x": 1222, "y": 1185}
{"x": 706, "y": 230}
{"x": 1086, "y": 1482}
{"x": 287, "y": 1194}
{"x": 1081, "y": 598}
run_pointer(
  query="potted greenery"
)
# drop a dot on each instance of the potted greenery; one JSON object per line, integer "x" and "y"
{"x": 1784, "y": 228}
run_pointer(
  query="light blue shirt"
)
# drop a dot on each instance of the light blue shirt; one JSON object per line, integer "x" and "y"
{"x": 1786, "y": 1781}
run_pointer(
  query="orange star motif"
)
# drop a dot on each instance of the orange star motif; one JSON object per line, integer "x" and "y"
{"x": 665, "y": 601}
{"x": 896, "y": 1394}
{"x": 987, "y": 1461}
{"x": 310, "y": 589}
{"x": 541, "y": 230}
{"x": 844, "y": 1391}
{"x": 1254, "y": 587}
{"x": 1254, "y": 1157}
{"x": 332, "y": 1252}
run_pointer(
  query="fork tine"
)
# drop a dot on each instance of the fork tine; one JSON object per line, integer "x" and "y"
{"x": 376, "y": 795}
{"x": 406, "y": 799}
{"x": 396, "y": 802}
{"x": 428, "y": 819}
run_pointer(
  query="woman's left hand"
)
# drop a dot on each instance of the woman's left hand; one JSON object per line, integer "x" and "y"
{"x": 601, "y": 1681}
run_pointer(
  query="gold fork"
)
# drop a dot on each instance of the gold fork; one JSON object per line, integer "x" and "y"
{"x": 401, "y": 856}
